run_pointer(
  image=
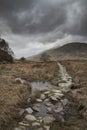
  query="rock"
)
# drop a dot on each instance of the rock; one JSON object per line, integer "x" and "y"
{"x": 47, "y": 127}
{"x": 38, "y": 100}
{"x": 22, "y": 127}
{"x": 48, "y": 119}
{"x": 48, "y": 104}
{"x": 56, "y": 91}
{"x": 29, "y": 110}
{"x": 47, "y": 92}
{"x": 46, "y": 100}
{"x": 19, "y": 80}
{"x": 65, "y": 85}
{"x": 64, "y": 102}
{"x": 49, "y": 109}
{"x": 17, "y": 129}
{"x": 58, "y": 108}
{"x": 30, "y": 118}
{"x": 23, "y": 124}
{"x": 53, "y": 98}
{"x": 36, "y": 107}
{"x": 35, "y": 124}
{"x": 40, "y": 128}
{"x": 43, "y": 96}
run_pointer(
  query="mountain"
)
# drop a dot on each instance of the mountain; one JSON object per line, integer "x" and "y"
{"x": 73, "y": 50}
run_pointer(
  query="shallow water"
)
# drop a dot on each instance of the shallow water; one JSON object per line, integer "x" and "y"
{"x": 43, "y": 111}
{"x": 40, "y": 86}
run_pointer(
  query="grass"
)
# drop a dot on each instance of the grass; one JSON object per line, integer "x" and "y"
{"x": 14, "y": 95}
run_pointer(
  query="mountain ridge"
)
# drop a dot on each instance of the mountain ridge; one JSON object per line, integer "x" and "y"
{"x": 74, "y": 50}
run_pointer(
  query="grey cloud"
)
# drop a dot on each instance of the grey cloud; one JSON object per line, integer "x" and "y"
{"x": 43, "y": 21}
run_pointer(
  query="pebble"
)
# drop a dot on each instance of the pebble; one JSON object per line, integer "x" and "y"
{"x": 30, "y": 118}
{"x": 35, "y": 124}
{"x": 29, "y": 110}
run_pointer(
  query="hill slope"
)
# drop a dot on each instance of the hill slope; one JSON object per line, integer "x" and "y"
{"x": 68, "y": 51}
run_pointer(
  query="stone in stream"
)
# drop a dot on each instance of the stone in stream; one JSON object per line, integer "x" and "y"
{"x": 53, "y": 98}
{"x": 66, "y": 85}
{"x": 17, "y": 129}
{"x": 23, "y": 124}
{"x": 29, "y": 110}
{"x": 58, "y": 108}
{"x": 38, "y": 100}
{"x": 19, "y": 80}
{"x": 47, "y": 127}
{"x": 48, "y": 119}
{"x": 30, "y": 118}
{"x": 43, "y": 96}
{"x": 35, "y": 124}
{"x": 36, "y": 107}
{"x": 64, "y": 102}
{"x": 40, "y": 128}
{"x": 48, "y": 104}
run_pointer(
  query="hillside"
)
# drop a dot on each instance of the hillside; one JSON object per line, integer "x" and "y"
{"x": 67, "y": 51}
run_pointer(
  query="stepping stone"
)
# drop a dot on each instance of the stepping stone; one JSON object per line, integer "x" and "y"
{"x": 48, "y": 119}
{"x": 43, "y": 96}
{"x": 53, "y": 98}
{"x": 23, "y": 124}
{"x": 38, "y": 100}
{"x": 30, "y": 118}
{"x": 47, "y": 127}
{"x": 36, "y": 107}
{"x": 40, "y": 128}
{"x": 17, "y": 129}
{"x": 35, "y": 124}
{"x": 29, "y": 110}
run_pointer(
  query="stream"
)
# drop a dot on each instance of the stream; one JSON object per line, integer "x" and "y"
{"x": 47, "y": 103}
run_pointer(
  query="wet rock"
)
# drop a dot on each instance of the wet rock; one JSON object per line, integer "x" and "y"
{"x": 47, "y": 92}
{"x": 53, "y": 98}
{"x": 17, "y": 129}
{"x": 58, "y": 108}
{"x": 48, "y": 119}
{"x": 56, "y": 91}
{"x": 29, "y": 110}
{"x": 36, "y": 107}
{"x": 40, "y": 128}
{"x": 65, "y": 85}
{"x": 47, "y": 127}
{"x": 35, "y": 124}
{"x": 47, "y": 100}
{"x": 30, "y": 118}
{"x": 38, "y": 100}
{"x": 19, "y": 80}
{"x": 64, "y": 102}
{"x": 48, "y": 104}
{"x": 49, "y": 110}
{"x": 43, "y": 96}
{"x": 23, "y": 124}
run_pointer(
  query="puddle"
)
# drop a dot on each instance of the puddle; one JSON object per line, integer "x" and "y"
{"x": 40, "y": 86}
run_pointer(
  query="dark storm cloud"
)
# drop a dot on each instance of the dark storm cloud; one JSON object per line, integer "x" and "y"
{"x": 43, "y": 21}
{"x": 41, "y": 16}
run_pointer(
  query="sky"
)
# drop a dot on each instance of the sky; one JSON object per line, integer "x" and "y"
{"x": 32, "y": 26}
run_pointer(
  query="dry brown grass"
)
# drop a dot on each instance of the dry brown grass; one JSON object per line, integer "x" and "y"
{"x": 13, "y": 94}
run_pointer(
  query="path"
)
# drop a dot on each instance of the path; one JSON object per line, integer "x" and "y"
{"x": 48, "y": 107}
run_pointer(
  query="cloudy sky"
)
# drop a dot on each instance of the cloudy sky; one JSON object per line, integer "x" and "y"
{"x": 32, "y": 26}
